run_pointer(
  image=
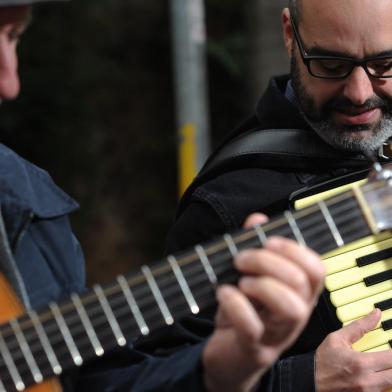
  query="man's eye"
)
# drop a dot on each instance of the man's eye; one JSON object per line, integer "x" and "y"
{"x": 385, "y": 65}
{"x": 332, "y": 65}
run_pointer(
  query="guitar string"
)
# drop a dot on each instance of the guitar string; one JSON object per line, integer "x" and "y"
{"x": 116, "y": 289}
{"x": 114, "y": 304}
{"x": 151, "y": 322}
{"x": 120, "y": 315}
{"x": 142, "y": 304}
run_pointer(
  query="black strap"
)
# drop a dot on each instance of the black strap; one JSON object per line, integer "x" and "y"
{"x": 297, "y": 145}
{"x": 297, "y": 149}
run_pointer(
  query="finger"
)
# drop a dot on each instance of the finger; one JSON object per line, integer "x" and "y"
{"x": 255, "y": 219}
{"x": 379, "y": 381}
{"x": 378, "y": 361}
{"x": 263, "y": 262}
{"x": 355, "y": 330}
{"x": 276, "y": 297}
{"x": 241, "y": 314}
{"x": 306, "y": 258}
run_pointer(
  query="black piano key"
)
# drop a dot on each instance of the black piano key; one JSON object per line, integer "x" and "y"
{"x": 384, "y": 305}
{"x": 378, "y": 278}
{"x": 374, "y": 257}
{"x": 386, "y": 325}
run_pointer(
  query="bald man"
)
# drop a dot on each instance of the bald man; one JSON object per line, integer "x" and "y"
{"x": 316, "y": 124}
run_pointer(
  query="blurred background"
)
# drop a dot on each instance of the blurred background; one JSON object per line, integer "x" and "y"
{"x": 98, "y": 110}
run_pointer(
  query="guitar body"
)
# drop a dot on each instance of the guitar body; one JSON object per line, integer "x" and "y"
{"x": 10, "y": 308}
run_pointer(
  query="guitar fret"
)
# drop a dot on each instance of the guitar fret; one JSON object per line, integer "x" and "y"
{"x": 110, "y": 315}
{"x": 157, "y": 295}
{"x": 183, "y": 285}
{"x": 207, "y": 265}
{"x": 99, "y": 351}
{"x": 15, "y": 376}
{"x": 294, "y": 227}
{"x": 145, "y": 296}
{"x": 37, "y": 375}
{"x": 231, "y": 245}
{"x": 331, "y": 223}
{"x": 261, "y": 234}
{"x": 68, "y": 339}
{"x": 133, "y": 305}
{"x": 45, "y": 343}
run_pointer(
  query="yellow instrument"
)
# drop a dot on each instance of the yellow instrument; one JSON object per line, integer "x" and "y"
{"x": 359, "y": 278}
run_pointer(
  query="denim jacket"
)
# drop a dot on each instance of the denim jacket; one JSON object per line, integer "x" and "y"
{"x": 47, "y": 264}
{"x": 35, "y": 213}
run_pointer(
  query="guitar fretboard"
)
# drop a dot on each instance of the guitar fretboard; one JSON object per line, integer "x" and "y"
{"x": 40, "y": 345}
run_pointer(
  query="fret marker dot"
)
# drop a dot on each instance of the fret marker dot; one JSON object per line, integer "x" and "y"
{"x": 57, "y": 370}
{"x": 78, "y": 361}
{"x": 195, "y": 309}
{"x": 169, "y": 321}
{"x": 121, "y": 342}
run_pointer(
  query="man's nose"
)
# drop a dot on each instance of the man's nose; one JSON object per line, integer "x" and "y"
{"x": 9, "y": 79}
{"x": 358, "y": 86}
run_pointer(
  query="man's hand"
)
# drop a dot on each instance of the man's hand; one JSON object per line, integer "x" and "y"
{"x": 340, "y": 368}
{"x": 260, "y": 318}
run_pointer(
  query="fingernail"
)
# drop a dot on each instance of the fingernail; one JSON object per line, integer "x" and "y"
{"x": 247, "y": 282}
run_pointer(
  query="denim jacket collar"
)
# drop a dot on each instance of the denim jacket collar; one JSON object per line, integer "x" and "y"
{"x": 27, "y": 191}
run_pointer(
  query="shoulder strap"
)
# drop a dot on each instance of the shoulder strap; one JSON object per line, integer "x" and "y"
{"x": 274, "y": 149}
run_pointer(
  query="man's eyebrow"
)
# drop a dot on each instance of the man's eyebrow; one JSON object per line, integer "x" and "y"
{"x": 317, "y": 51}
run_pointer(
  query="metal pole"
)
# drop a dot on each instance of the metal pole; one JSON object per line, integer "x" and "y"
{"x": 190, "y": 76}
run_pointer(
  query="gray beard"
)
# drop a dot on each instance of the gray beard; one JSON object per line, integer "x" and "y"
{"x": 339, "y": 139}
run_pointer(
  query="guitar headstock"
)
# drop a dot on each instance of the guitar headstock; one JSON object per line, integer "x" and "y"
{"x": 377, "y": 193}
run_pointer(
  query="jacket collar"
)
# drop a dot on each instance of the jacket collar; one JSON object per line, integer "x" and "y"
{"x": 274, "y": 102}
{"x": 26, "y": 191}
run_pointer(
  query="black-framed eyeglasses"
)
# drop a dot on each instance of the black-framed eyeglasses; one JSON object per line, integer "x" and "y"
{"x": 336, "y": 67}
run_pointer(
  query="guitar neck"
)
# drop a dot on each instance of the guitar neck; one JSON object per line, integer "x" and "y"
{"x": 40, "y": 345}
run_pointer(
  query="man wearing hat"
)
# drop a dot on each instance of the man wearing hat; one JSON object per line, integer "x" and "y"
{"x": 43, "y": 262}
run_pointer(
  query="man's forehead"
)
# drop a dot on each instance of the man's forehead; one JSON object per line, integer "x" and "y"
{"x": 358, "y": 28}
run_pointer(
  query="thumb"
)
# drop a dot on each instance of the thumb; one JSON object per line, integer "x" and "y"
{"x": 355, "y": 330}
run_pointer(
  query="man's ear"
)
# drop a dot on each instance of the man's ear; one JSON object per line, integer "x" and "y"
{"x": 287, "y": 31}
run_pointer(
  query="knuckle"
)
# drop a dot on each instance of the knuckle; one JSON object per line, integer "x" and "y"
{"x": 362, "y": 385}
{"x": 300, "y": 281}
{"x": 264, "y": 358}
{"x": 358, "y": 365}
{"x": 297, "y": 313}
{"x": 319, "y": 269}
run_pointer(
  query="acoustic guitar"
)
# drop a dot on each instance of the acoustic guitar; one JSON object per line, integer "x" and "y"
{"x": 39, "y": 345}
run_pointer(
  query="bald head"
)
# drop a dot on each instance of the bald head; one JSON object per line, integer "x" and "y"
{"x": 356, "y": 111}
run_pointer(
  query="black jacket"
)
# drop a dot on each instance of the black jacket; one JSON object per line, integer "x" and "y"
{"x": 221, "y": 200}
